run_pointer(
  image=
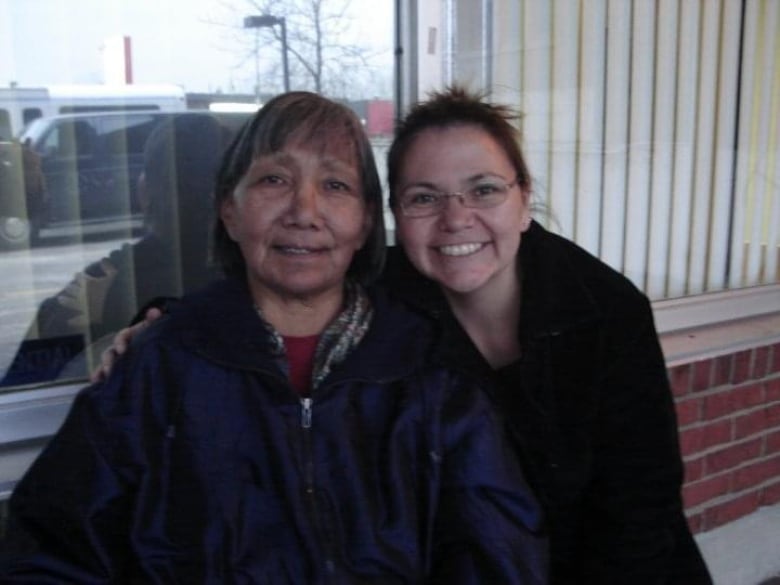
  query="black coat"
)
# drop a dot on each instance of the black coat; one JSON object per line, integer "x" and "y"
{"x": 591, "y": 412}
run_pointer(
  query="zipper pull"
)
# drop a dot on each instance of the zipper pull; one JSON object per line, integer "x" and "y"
{"x": 306, "y": 412}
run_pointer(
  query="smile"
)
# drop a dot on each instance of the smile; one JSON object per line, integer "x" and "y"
{"x": 296, "y": 251}
{"x": 460, "y": 249}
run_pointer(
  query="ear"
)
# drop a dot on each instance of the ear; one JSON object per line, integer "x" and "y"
{"x": 229, "y": 216}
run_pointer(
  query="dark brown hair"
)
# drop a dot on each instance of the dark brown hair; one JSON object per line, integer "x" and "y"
{"x": 310, "y": 118}
{"x": 453, "y": 106}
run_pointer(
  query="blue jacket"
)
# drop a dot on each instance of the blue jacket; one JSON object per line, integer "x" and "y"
{"x": 197, "y": 463}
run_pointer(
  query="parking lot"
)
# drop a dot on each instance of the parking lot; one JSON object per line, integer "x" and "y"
{"x": 38, "y": 273}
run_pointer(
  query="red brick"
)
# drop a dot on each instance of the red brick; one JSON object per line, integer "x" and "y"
{"x": 733, "y": 456}
{"x": 756, "y": 473}
{"x": 696, "y": 522}
{"x": 772, "y": 390}
{"x": 688, "y": 411}
{"x": 702, "y": 491}
{"x": 696, "y": 439}
{"x": 773, "y": 415}
{"x": 680, "y": 379}
{"x": 694, "y": 470}
{"x": 770, "y": 494}
{"x": 726, "y": 512}
{"x": 717, "y": 433}
{"x": 721, "y": 371}
{"x": 691, "y": 441}
{"x": 717, "y": 405}
{"x": 772, "y": 445}
{"x": 775, "y": 367}
{"x": 761, "y": 361}
{"x": 748, "y": 396}
{"x": 750, "y": 424}
{"x": 742, "y": 366}
{"x": 701, "y": 375}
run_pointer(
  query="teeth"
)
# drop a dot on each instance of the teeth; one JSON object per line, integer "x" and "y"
{"x": 288, "y": 250}
{"x": 460, "y": 249}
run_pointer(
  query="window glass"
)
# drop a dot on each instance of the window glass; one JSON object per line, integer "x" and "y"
{"x": 111, "y": 127}
{"x": 30, "y": 114}
{"x": 650, "y": 128}
{"x": 5, "y": 124}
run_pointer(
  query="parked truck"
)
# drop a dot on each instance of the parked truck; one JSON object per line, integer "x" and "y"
{"x": 21, "y": 105}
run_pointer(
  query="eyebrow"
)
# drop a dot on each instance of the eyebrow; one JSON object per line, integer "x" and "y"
{"x": 329, "y": 163}
{"x": 469, "y": 180}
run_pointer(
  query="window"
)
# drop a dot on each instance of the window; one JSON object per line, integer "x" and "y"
{"x": 84, "y": 241}
{"x": 5, "y": 125}
{"x": 650, "y": 127}
{"x": 30, "y": 114}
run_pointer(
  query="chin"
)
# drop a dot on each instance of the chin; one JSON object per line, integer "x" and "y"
{"x": 462, "y": 285}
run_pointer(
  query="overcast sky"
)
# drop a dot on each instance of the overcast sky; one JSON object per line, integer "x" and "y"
{"x": 59, "y": 41}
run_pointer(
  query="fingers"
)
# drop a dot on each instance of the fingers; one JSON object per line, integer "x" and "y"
{"x": 152, "y": 315}
{"x": 110, "y": 356}
{"x": 107, "y": 359}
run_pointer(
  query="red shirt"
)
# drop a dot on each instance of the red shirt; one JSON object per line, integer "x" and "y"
{"x": 300, "y": 358}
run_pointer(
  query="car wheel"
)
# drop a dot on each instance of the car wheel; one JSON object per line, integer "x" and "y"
{"x": 14, "y": 232}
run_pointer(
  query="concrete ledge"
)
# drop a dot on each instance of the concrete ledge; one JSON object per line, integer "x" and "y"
{"x": 745, "y": 551}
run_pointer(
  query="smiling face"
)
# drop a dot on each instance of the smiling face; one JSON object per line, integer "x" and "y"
{"x": 298, "y": 216}
{"x": 466, "y": 250}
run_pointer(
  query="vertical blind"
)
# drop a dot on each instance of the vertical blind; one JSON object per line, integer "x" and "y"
{"x": 651, "y": 127}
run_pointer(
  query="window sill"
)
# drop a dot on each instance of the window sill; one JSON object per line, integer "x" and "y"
{"x": 747, "y": 318}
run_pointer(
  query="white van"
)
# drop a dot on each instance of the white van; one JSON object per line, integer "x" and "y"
{"x": 21, "y": 105}
{"x": 88, "y": 167}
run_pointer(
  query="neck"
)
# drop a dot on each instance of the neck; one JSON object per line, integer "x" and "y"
{"x": 490, "y": 317}
{"x": 300, "y": 317}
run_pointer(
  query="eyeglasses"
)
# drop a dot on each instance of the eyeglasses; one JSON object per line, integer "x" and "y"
{"x": 423, "y": 202}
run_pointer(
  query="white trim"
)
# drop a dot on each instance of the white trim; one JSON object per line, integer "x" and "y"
{"x": 710, "y": 325}
{"x": 28, "y": 415}
{"x": 716, "y": 308}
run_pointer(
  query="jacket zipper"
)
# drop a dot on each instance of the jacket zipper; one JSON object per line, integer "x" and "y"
{"x": 306, "y": 413}
{"x": 320, "y": 521}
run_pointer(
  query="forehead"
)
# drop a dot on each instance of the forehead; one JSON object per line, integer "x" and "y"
{"x": 466, "y": 148}
{"x": 330, "y": 146}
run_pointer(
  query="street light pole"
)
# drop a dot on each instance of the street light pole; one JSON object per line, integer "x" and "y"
{"x": 269, "y": 21}
{"x": 285, "y": 67}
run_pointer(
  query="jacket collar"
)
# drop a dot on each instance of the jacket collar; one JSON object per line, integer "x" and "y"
{"x": 220, "y": 324}
{"x": 555, "y": 298}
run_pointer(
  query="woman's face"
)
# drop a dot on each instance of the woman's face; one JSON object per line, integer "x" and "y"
{"x": 299, "y": 216}
{"x": 463, "y": 249}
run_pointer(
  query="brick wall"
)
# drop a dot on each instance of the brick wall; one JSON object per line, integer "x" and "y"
{"x": 728, "y": 411}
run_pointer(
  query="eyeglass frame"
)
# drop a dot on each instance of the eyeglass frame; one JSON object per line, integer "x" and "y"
{"x": 462, "y": 196}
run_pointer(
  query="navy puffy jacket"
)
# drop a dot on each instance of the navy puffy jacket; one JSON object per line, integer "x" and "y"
{"x": 197, "y": 463}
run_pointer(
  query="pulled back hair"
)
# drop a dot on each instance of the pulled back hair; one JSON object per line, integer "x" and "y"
{"x": 305, "y": 118}
{"x": 456, "y": 106}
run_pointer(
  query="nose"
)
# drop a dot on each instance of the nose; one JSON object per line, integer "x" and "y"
{"x": 455, "y": 215}
{"x": 304, "y": 205}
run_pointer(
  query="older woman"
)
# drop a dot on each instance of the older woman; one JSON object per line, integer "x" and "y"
{"x": 568, "y": 343}
{"x": 282, "y": 425}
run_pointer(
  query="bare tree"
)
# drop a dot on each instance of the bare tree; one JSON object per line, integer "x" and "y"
{"x": 319, "y": 56}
